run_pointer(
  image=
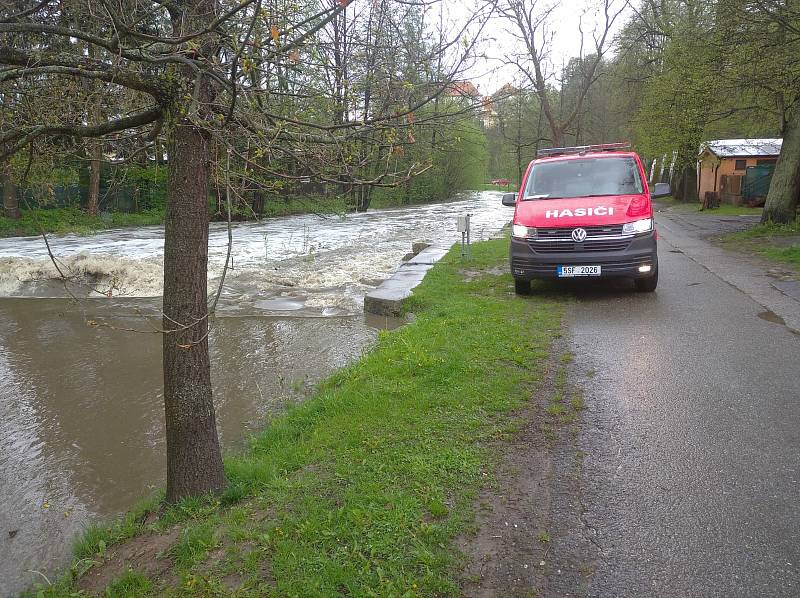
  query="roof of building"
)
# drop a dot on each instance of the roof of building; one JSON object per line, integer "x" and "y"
{"x": 463, "y": 89}
{"x": 505, "y": 91}
{"x": 729, "y": 148}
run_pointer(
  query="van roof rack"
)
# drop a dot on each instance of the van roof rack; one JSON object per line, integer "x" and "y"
{"x": 583, "y": 149}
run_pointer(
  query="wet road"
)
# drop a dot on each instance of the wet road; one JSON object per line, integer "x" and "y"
{"x": 691, "y": 477}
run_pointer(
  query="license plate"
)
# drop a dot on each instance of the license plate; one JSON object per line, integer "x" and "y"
{"x": 569, "y": 271}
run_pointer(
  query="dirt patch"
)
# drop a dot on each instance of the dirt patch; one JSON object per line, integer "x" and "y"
{"x": 470, "y": 275}
{"x": 146, "y": 554}
{"x": 531, "y": 538}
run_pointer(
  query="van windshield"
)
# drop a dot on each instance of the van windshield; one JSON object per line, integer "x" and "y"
{"x": 587, "y": 177}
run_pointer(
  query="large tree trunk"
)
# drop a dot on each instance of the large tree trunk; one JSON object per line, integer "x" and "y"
{"x": 194, "y": 460}
{"x": 95, "y": 148}
{"x": 10, "y": 202}
{"x": 781, "y": 205}
{"x": 96, "y": 154}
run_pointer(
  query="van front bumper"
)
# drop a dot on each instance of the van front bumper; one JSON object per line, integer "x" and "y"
{"x": 527, "y": 263}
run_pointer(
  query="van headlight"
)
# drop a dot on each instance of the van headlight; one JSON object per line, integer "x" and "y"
{"x": 523, "y": 232}
{"x": 640, "y": 226}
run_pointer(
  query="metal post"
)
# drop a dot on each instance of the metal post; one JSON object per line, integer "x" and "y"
{"x": 463, "y": 228}
{"x": 468, "y": 231}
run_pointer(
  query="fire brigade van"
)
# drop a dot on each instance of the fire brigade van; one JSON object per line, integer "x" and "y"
{"x": 585, "y": 212}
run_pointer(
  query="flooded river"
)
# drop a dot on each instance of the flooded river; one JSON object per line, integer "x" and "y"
{"x": 81, "y": 436}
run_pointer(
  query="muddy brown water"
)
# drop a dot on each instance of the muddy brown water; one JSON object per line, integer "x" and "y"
{"x": 81, "y": 436}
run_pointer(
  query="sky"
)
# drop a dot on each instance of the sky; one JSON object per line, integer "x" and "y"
{"x": 489, "y": 75}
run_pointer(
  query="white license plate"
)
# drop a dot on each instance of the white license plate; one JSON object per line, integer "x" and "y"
{"x": 569, "y": 271}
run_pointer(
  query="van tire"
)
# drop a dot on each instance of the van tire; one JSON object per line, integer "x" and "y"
{"x": 647, "y": 285}
{"x": 522, "y": 287}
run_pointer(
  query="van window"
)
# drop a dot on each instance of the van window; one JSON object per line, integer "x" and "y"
{"x": 586, "y": 177}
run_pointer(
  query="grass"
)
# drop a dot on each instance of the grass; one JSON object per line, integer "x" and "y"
{"x": 274, "y": 208}
{"x": 787, "y": 255}
{"x": 73, "y": 220}
{"x": 363, "y": 489}
{"x": 694, "y": 208}
{"x": 769, "y": 241}
{"x": 129, "y": 585}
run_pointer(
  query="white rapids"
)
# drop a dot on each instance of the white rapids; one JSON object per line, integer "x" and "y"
{"x": 312, "y": 264}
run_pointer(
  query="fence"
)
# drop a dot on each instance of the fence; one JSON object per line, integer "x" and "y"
{"x": 111, "y": 199}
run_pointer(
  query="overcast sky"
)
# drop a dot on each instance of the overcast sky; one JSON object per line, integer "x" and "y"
{"x": 489, "y": 75}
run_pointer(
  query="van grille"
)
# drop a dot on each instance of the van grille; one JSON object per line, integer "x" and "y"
{"x": 598, "y": 238}
{"x": 566, "y": 232}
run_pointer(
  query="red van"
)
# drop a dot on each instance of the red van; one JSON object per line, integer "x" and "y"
{"x": 584, "y": 212}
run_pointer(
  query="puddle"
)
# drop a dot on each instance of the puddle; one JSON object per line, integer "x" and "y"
{"x": 771, "y": 316}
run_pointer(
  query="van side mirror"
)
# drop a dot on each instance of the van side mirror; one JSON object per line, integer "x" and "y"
{"x": 660, "y": 190}
{"x": 509, "y": 199}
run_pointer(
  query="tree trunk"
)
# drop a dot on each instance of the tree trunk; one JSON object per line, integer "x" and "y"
{"x": 96, "y": 154}
{"x": 194, "y": 460}
{"x": 781, "y": 205}
{"x": 10, "y": 202}
{"x": 95, "y": 147}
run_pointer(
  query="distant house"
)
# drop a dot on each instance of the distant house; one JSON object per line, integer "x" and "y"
{"x": 463, "y": 89}
{"x": 468, "y": 95}
{"x": 736, "y": 170}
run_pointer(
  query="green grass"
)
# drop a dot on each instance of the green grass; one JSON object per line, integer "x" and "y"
{"x": 788, "y": 255}
{"x": 129, "y": 585}
{"x": 362, "y": 489}
{"x": 731, "y": 210}
{"x": 769, "y": 241}
{"x": 73, "y": 220}
{"x": 275, "y": 207}
{"x": 694, "y": 208}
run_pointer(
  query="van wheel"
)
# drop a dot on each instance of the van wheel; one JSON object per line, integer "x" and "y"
{"x": 647, "y": 285}
{"x": 522, "y": 287}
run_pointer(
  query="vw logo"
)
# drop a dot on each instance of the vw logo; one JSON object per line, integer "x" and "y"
{"x": 578, "y": 235}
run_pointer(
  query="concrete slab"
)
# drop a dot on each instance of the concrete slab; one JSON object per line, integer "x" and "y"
{"x": 387, "y": 299}
{"x": 429, "y": 255}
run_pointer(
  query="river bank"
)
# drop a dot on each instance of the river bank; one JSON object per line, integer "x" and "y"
{"x": 82, "y": 434}
{"x": 73, "y": 220}
{"x": 364, "y": 487}
{"x": 76, "y": 221}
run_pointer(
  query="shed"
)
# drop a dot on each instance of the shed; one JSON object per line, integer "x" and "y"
{"x": 736, "y": 170}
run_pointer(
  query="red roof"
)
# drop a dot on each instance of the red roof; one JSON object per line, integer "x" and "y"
{"x": 462, "y": 89}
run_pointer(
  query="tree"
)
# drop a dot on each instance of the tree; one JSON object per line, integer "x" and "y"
{"x": 213, "y": 78}
{"x": 530, "y": 24}
{"x": 10, "y": 204}
{"x": 764, "y": 66}
{"x": 518, "y": 132}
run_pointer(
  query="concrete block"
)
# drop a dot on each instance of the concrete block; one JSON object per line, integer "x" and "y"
{"x": 418, "y": 246}
{"x": 429, "y": 256}
{"x": 387, "y": 299}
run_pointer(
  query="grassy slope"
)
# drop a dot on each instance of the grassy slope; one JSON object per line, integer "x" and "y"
{"x": 694, "y": 208}
{"x": 363, "y": 488}
{"x": 769, "y": 241}
{"x": 72, "y": 220}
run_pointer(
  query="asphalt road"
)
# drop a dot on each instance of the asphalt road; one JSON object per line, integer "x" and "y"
{"x": 691, "y": 474}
